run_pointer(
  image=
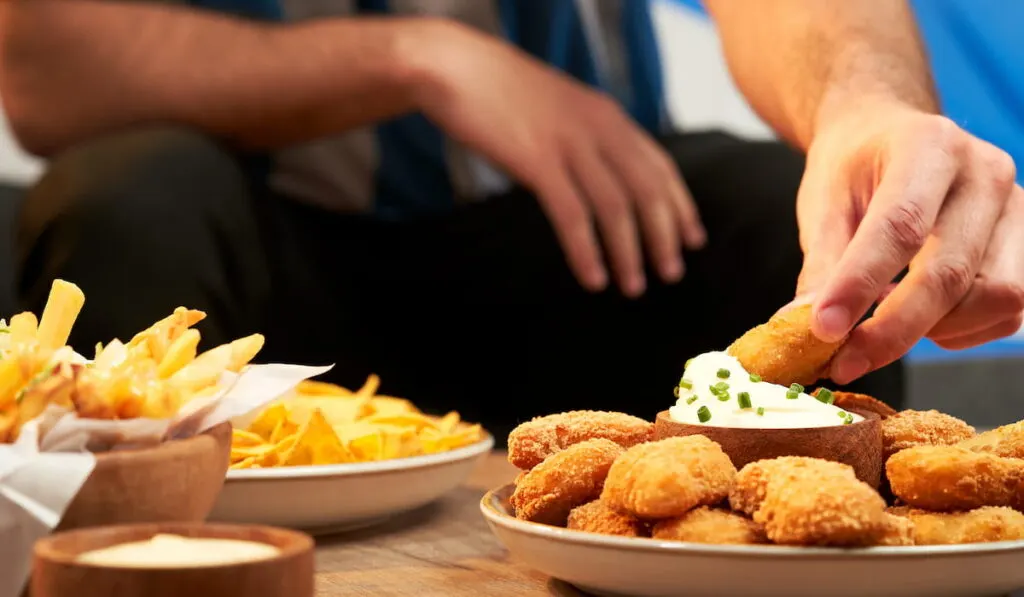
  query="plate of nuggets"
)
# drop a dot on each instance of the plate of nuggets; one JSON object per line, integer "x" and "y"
{"x": 605, "y": 503}
{"x": 326, "y": 459}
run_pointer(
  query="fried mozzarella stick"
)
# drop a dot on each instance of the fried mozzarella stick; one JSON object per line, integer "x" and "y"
{"x": 533, "y": 441}
{"x": 784, "y": 350}
{"x": 954, "y": 478}
{"x": 710, "y": 525}
{"x": 982, "y": 525}
{"x": 807, "y": 501}
{"x": 598, "y": 517}
{"x": 912, "y": 428}
{"x": 669, "y": 477}
{"x": 564, "y": 481}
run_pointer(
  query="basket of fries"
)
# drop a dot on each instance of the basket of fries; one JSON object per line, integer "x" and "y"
{"x": 140, "y": 432}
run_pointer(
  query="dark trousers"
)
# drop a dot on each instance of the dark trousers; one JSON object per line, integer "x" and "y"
{"x": 473, "y": 310}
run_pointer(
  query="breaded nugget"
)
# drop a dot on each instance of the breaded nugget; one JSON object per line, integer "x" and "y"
{"x": 982, "y": 525}
{"x": 807, "y": 501}
{"x": 784, "y": 350}
{"x": 1007, "y": 441}
{"x": 533, "y": 441}
{"x": 710, "y": 525}
{"x": 861, "y": 402}
{"x": 952, "y": 478}
{"x": 899, "y": 532}
{"x": 598, "y": 517}
{"x": 669, "y": 477}
{"x": 563, "y": 481}
{"x": 911, "y": 428}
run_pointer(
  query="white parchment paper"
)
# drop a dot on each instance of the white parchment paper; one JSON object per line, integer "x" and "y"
{"x": 54, "y": 456}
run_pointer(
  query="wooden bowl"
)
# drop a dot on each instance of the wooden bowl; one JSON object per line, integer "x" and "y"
{"x": 55, "y": 572}
{"x": 177, "y": 481}
{"x": 857, "y": 444}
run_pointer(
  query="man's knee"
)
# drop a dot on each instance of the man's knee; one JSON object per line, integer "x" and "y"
{"x": 139, "y": 177}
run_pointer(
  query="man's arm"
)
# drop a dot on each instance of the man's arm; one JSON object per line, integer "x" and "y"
{"x": 798, "y": 61}
{"x": 69, "y": 70}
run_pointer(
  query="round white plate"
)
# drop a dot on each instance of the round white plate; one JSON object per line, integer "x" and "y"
{"x": 330, "y": 498}
{"x": 605, "y": 565}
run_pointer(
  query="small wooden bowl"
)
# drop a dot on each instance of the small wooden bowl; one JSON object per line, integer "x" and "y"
{"x": 177, "y": 481}
{"x": 56, "y": 573}
{"x": 857, "y": 444}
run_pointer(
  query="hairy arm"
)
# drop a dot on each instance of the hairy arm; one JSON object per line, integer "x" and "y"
{"x": 800, "y": 61}
{"x": 70, "y": 70}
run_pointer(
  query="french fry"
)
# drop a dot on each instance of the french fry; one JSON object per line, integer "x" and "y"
{"x": 62, "y": 309}
{"x": 23, "y": 327}
{"x": 181, "y": 352}
{"x": 310, "y": 387}
{"x": 11, "y": 380}
{"x": 243, "y": 350}
{"x": 370, "y": 387}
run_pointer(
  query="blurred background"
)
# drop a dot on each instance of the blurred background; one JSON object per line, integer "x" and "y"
{"x": 978, "y": 58}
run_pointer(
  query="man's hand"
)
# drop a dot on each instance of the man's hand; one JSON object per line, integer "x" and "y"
{"x": 888, "y": 186}
{"x": 576, "y": 149}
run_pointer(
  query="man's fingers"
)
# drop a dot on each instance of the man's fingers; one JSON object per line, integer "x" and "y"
{"x": 824, "y": 244}
{"x": 898, "y": 221}
{"x": 999, "y": 330}
{"x": 615, "y": 219}
{"x": 571, "y": 221}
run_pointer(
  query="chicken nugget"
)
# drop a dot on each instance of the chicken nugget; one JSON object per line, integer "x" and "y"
{"x": 784, "y": 350}
{"x": 911, "y": 428}
{"x": 899, "y": 532}
{"x": 982, "y": 525}
{"x": 598, "y": 517}
{"x": 860, "y": 403}
{"x": 710, "y": 525}
{"x": 669, "y": 477}
{"x": 1007, "y": 441}
{"x": 953, "y": 478}
{"x": 535, "y": 440}
{"x": 563, "y": 481}
{"x": 807, "y": 501}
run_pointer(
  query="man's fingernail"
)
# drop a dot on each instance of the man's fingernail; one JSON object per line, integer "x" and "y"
{"x": 849, "y": 367}
{"x": 833, "y": 322}
{"x": 672, "y": 270}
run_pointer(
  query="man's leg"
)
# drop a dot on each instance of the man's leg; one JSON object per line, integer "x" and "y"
{"x": 492, "y": 323}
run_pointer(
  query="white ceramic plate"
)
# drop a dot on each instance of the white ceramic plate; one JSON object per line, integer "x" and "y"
{"x": 336, "y": 497}
{"x": 605, "y": 565}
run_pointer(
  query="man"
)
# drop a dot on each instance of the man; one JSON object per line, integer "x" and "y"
{"x": 424, "y": 172}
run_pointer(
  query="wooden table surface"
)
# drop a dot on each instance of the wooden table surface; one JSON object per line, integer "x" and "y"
{"x": 445, "y": 549}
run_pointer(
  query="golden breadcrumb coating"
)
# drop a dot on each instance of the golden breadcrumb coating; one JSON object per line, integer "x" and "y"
{"x": 1007, "y": 441}
{"x": 912, "y": 428}
{"x": 807, "y": 501}
{"x": 710, "y": 525}
{"x": 952, "y": 478}
{"x": 563, "y": 481}
{"x": 989, "y": 523}
{"x": 784, "y": 350}
{"x": 599, "y": 517}
{"x": 669, "y": 477}
{"x": 535, "y": 440}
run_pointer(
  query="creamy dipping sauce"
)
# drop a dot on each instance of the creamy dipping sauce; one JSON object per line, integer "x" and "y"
{"x": 718, "y": 392}
{"x": 173, "y": 551}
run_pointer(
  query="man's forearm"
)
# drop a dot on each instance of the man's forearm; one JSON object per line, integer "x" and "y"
{"x": 70, "y": 70}
{"x": 799, "y": 62}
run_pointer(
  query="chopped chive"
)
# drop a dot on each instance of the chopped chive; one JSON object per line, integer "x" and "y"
{"x": 685, "y": 384}
{"x": 743, "y": 398}
{"x": 723, "y": 396}
{"x": 847, "y": 420}
{"x": 687, "y": 365}
{"x": 842, "y": 414}
{"x": 675, "y": 391}
{"x": 714, "y": 390}
{"x": 799, "y": 389}
{"x": 703, "y": 414}
{"x": 691, "y": 399}
{"x": 755, "y": 378}
{"x": 760, "y": 411}
{"x": 825, "y": 395}
{"x": 722, "y": 386}
{"x": 723, "y": 374}
{"x": 791, "y": 395}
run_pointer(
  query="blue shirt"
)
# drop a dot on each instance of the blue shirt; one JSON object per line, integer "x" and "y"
{"x": 407, "y": 166}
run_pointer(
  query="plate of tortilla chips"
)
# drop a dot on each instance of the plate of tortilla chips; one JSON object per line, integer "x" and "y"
{"x": 326, "y": 458}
